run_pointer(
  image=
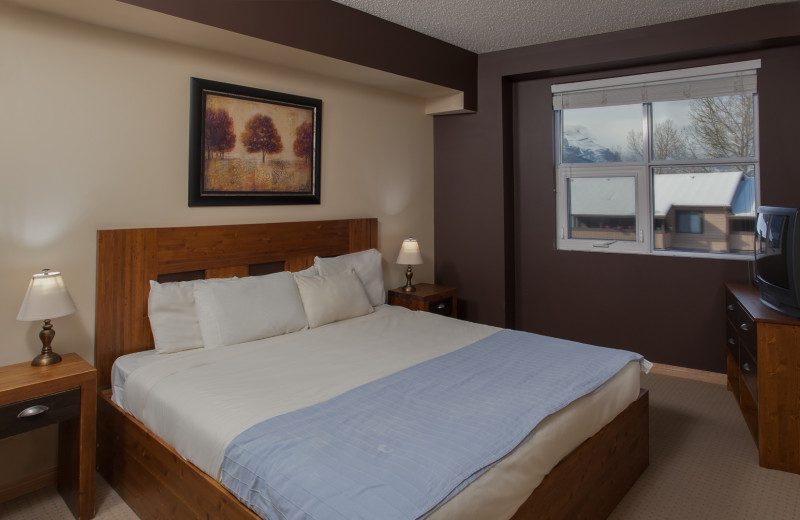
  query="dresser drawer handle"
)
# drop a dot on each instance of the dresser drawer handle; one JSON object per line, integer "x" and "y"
{"x": 731, "y": 307}
{"x": 744, "y": 326}
{"x": 32, "y": 410}
{"x": 732, "y": 341}
{"x": 441, "y": 306}
{"x": 746, "y": 367}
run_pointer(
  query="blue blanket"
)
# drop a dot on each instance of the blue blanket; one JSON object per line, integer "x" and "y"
{"x": 398, "y": 447}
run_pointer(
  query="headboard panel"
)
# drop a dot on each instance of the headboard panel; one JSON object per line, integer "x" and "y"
{"x": 127, "y": 259}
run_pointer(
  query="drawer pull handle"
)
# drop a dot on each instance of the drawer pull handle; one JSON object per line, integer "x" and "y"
{"x": 441, "y": 306}
{"x": 32, "y": 410}
{"x": 746, "y": 367}
{"x": 744, "y": 326}
{"x": 731, "y": 307}
{"x": 732, "y": 341}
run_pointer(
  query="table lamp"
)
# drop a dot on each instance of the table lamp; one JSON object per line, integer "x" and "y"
{"x": 47, "y": 298}
{"x": 409, "y": 255}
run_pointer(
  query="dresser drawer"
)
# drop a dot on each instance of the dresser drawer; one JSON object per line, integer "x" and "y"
{"x": 748, "y": 370}
{"x": 743, "y": 324}
{"x": 747, "y": 336}
{"x": 732, "y": 342}
{"x": 42, "y": 411}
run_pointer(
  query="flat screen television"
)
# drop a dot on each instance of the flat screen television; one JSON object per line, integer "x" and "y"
{"x": 777, "y": 258}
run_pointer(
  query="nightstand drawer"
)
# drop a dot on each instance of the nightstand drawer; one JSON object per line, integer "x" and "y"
{"x": 443, "y": 306}
{"x": 42, "y": 411}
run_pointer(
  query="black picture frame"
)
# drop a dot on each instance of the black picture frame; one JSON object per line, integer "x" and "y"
{"x": 249, "y": 146}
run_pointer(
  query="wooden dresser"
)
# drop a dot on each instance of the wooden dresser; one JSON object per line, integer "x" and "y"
{"x": 763, "y": 351}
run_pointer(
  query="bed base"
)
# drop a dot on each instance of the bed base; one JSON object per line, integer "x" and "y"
{"x": 157, "y": 483}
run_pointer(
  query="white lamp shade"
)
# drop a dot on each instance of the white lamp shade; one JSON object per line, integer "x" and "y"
{"x": 409, "y": 253}
{"x": 47, "y": 298}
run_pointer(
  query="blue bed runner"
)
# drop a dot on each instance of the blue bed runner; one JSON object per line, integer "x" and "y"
{"x": 396, "y": 448}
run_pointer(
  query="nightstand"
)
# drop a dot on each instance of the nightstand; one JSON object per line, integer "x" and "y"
{"x": 437, "y": 299}
{"x": 64, "y": 393}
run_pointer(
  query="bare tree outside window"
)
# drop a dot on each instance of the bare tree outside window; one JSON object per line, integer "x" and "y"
{"x": 670, "y": 142}
{"x": 718, "y": 127}
{"x": 723, "y": 126}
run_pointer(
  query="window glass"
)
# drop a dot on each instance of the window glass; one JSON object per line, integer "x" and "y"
{"x": 704, "y": 208}
{"x": 600, "y": 135}
{"x": 689, "y": 221}
{"x": 602, "y": 208}
{"x": 663, "y": 163}
{"x": 707, "y": 128}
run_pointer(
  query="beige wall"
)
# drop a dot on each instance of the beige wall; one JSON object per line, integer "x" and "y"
{"x": 93, "y": 135}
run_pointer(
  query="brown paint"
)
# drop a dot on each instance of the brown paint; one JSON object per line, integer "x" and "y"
{"x": 337, "y": 31}
{"x": 669, "y": 309}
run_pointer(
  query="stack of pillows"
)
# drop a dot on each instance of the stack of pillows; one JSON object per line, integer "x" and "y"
{"x": 225, "y": 311}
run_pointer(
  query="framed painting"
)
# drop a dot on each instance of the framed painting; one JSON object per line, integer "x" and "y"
{"x": 249, "y": 146}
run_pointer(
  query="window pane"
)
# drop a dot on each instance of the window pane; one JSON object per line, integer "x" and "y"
{"x": 706, "y": 128}
{"x": 708, "y": 209}
{"x": 689, "y": 221}
{"x": 602, "y": 208}
{"x": 603, "y": 134}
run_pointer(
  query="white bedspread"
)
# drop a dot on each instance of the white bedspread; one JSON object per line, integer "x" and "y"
{"x": 199, "y": 400}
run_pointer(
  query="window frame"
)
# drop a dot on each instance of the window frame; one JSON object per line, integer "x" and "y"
{"x": 644, "y": 172}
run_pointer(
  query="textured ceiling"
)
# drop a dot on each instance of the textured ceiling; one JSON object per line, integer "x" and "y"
{"x": 492, "y": 25}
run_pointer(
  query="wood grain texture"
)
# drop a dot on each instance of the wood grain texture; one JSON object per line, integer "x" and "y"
{"x": 76, "y": 455}
{"x": 764, "y": 374}
{"x": 591, "y": 481}
{"x": 151, "y": 477}
{"x": 127, "y": 259}
{"x": 425, "y": 294}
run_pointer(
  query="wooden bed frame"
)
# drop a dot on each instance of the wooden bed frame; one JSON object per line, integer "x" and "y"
{"x": 157, "y": 483}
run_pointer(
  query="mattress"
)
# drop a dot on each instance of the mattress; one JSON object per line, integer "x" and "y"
{"x": 217, "y": 393}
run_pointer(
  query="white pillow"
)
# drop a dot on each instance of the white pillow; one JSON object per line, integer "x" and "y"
{"x": 332, "y": 298}
{"x": 173, "y": 319}
{"x": 367, "y": 265}
{"x": 247, "y": 309}
{"x": 308, "y": 271}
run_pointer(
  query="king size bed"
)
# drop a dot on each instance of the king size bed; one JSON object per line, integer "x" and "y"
{"x": 335, "y": 405}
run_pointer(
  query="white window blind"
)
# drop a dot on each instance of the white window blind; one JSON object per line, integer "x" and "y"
{"x": 699, "y": 82}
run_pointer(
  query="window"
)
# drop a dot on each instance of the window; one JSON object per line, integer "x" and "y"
{"x": 661, "y": 163}
{"x": 689, "y": 221}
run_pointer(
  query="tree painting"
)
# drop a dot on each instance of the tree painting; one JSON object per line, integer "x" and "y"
{"x": 252, "y": 146}
{"x": 260, "y": 135}
{"x": 304, "y": 141}
{"x": 219, "y": 134}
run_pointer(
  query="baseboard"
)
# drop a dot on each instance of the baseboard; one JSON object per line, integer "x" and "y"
{"x": 690, "y": 373}
{"x": 28, "y": 484}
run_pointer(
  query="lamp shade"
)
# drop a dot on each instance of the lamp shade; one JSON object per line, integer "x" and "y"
{"x": 47, "y": 298}
{"x": 409, "y": 253}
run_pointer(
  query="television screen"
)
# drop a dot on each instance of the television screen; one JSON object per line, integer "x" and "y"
{"x": 771, "y": 249}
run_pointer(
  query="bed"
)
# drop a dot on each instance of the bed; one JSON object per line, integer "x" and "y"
{"x": 158, "y": 482}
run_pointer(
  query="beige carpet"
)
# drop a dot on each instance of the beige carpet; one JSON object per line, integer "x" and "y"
{"x": 703, "y": 465}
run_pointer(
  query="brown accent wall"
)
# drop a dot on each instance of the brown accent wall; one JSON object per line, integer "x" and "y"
{"x": 495, "y": 203}
{"x": 337, "y": 31}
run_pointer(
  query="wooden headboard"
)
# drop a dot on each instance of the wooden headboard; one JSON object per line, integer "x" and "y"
{"x": 127, "y": 259}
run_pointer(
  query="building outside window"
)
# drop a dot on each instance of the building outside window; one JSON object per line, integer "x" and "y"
{"x": 663, "y": 163}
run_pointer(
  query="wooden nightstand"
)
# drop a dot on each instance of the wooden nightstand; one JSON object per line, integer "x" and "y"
{"x": 437, "y": 299}
{"x": 64, "y": 393}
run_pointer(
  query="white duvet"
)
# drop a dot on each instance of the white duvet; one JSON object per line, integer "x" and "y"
{"x": 199, "y": 400}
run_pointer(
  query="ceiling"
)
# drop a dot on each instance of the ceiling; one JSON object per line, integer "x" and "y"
{"x": 493, "y": 25}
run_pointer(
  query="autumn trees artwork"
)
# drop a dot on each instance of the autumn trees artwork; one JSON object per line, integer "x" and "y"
{"x": 253, "y": 146}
